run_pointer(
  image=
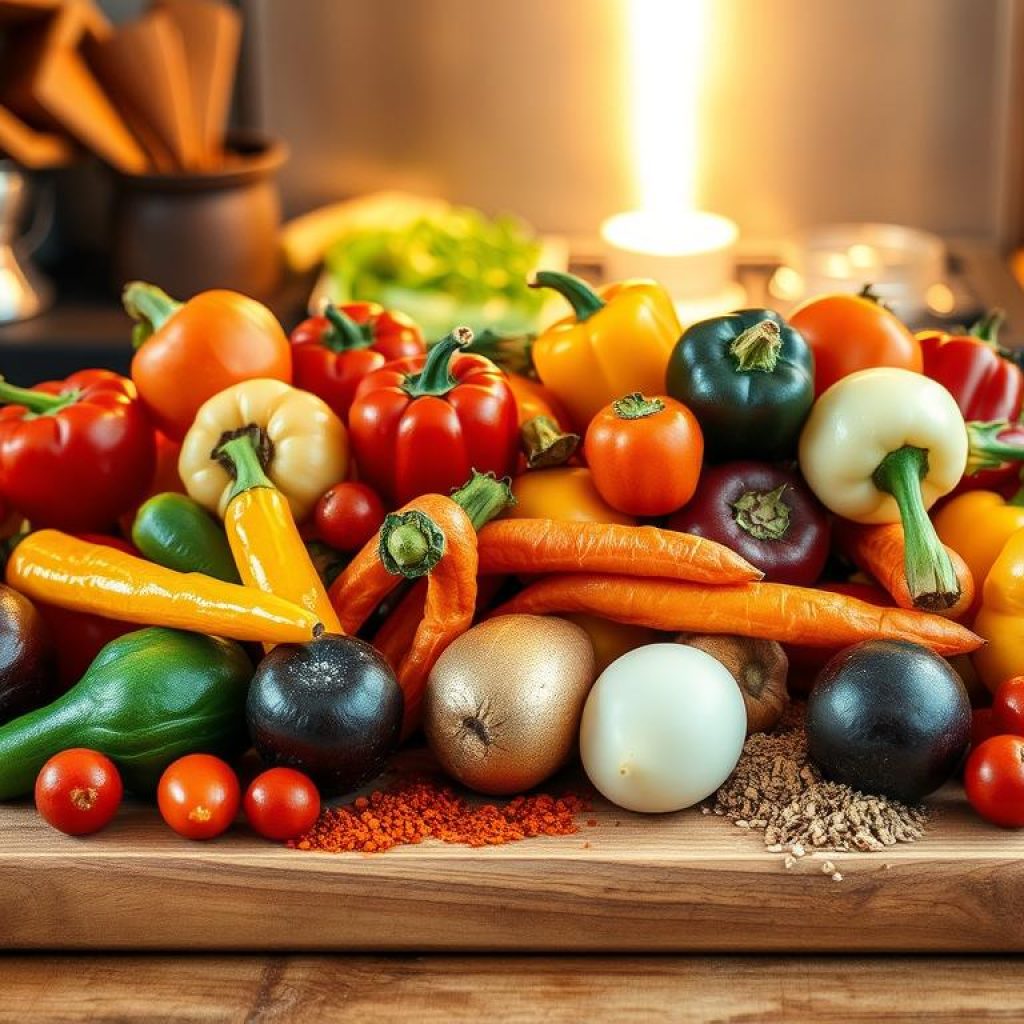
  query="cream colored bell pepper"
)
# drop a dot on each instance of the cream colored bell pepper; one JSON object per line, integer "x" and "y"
{"x": 882, "y": 446}
{"x": 303, "y": 445}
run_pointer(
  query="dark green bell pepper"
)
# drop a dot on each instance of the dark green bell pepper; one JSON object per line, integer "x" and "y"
{"x": 149, "y": 698}
{"x": 176, "y": 532}
{"x": 748, "y": 377}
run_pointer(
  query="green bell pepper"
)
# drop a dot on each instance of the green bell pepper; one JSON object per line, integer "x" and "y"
{"x": 149, "y": 698}
{"x": 748, "y": 377}
{"x": 178, "y": 533}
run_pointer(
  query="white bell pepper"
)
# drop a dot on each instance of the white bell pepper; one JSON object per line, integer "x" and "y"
{"x": 882, "y": 446}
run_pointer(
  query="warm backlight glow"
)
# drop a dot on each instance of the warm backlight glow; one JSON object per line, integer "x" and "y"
{"x": 669, "y": 235}
{"x": 666, "y": 43}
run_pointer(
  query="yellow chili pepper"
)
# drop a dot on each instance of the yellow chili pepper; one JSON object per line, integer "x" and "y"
{"x": 617, "y": 341}
{"x": 265, "y": 542}
{"x": 304, "y": 443}
{"x": 70, "y": 573}
{"x": 976, "y": 525}
{"x": 566, "y": 493}
{"x": 1001, "y": 619}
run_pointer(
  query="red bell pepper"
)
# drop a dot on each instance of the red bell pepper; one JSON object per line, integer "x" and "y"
{"x": 975, "y": 370}
{"x": 333, "y": 352}
{"x": 421, "y": 425}
{"x": 75, "y": 454}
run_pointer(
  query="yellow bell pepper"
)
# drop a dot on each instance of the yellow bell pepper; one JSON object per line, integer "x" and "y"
{"x": 566, "y": 493}
{"x": 1001, "y": 619}
{"x": 976, "y": 525}
{"x": 303, "y": 446}
{"x": 617, "y": 341}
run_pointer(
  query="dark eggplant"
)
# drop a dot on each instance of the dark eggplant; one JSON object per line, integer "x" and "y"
{"x": 763, "y": 512}
{"x": 28, "y": 662}
{"x": 889, "y": 717}
{"x": 331, "y": 708}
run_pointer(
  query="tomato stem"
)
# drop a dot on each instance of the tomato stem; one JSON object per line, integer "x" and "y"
{"x": 584, "y": 300}
{"x": 931, "y": 577}
{"x": 988, "y": 327}
{"x": 636, "y": 406}
{"x": 545, "y": 444}
{"x": 411, "y": 544}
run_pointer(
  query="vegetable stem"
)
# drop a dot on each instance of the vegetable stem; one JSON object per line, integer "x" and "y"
{"x": 38, "y": 403}
{"x": 483, "y": 496}
{"x": 637, "y": 406}
{"x": 584, "y": 300}
{"x": 151, "y": 306}
{"x": 762, "y": 514}
{"x": 411, "y": 544}
{"x": 544, "y": 443}
{"x": 988, "y": 327}
{"x": 240, "y": 456}
{"x": 758, "y": 347}
{"x": 344, "y": 334}
{"x": 985, "y": 450}
{"x": 436, "y": 376}
{"x": 931, "y": 578}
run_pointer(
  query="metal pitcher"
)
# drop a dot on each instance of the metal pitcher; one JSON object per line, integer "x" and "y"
{"x": 24, "y": 292}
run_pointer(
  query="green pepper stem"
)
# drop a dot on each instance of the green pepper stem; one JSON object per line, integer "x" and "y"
{"x": 988, "y": 327}
{"x": 411, "y": 544}
{"x": 39, "y": 403}
{"x": 762, "y": 514}
{"x": 931, "y": 577}
{"x": 985, "y": 450}
{"x": 344, "y": 334}
{"x": 584, "y": 300}
{"x": 483, "y": 496}
{"x": 545, "y": 444}
{"x": 436, "y": 376}
{"x": 240, "y": 454}
{"x": 636, "y": 406}
{"x": 151, "y": 306}
{"x": 758, "y": 347}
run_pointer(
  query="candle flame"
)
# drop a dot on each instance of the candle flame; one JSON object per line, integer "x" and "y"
{"x": 666, "y": 41}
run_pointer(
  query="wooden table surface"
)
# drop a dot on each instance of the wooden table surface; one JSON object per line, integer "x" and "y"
{"x": 510, "y": 990}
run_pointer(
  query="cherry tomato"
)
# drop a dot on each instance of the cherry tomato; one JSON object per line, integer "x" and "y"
{"x": 79, "y": 791}
{"x": 348, "y": 515}
{"x": 282, "y": 804}
{"x": 1008, "y": 707}
{"x": 199, "y": 796}
{"x": 847, "y": 333}
{"x": 994, "y": 780}
{"x": 645, "y": 454}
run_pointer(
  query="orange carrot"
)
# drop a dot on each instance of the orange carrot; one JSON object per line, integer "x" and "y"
{"x": 880, "y": 552}
{"x": 773, "y": 611}
{"x": 547, "y": 545}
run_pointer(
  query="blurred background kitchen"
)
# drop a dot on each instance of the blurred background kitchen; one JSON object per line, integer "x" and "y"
{"x": 742, "y": 151}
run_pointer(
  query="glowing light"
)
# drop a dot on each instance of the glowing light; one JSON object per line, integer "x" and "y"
{"x": 940, "y": 299}
{"x": 666, "y": 43}
{"x": 679, "y": 235}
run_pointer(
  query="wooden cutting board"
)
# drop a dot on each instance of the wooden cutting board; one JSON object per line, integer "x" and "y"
{"x": 682, "y": 882}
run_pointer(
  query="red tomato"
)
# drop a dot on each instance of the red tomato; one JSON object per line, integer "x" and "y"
{"x": 199, "y": 796}
{"x": 1008, "y": 707}
{"x": 847, "y": 333}
{"x": 348, "y": 515}
{"x": 645, "y": 454}
{"x": 282, "y": 804}
{"x": 994, "y": 780}
{"x": 79, "y": 791}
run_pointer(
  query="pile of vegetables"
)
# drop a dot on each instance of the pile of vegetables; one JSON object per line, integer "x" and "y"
{"x": 324, "y": 546}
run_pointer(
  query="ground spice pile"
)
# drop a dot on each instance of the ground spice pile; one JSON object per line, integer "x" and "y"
{"x": 423, "y": 809}
{"x": 777, "y": 789}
